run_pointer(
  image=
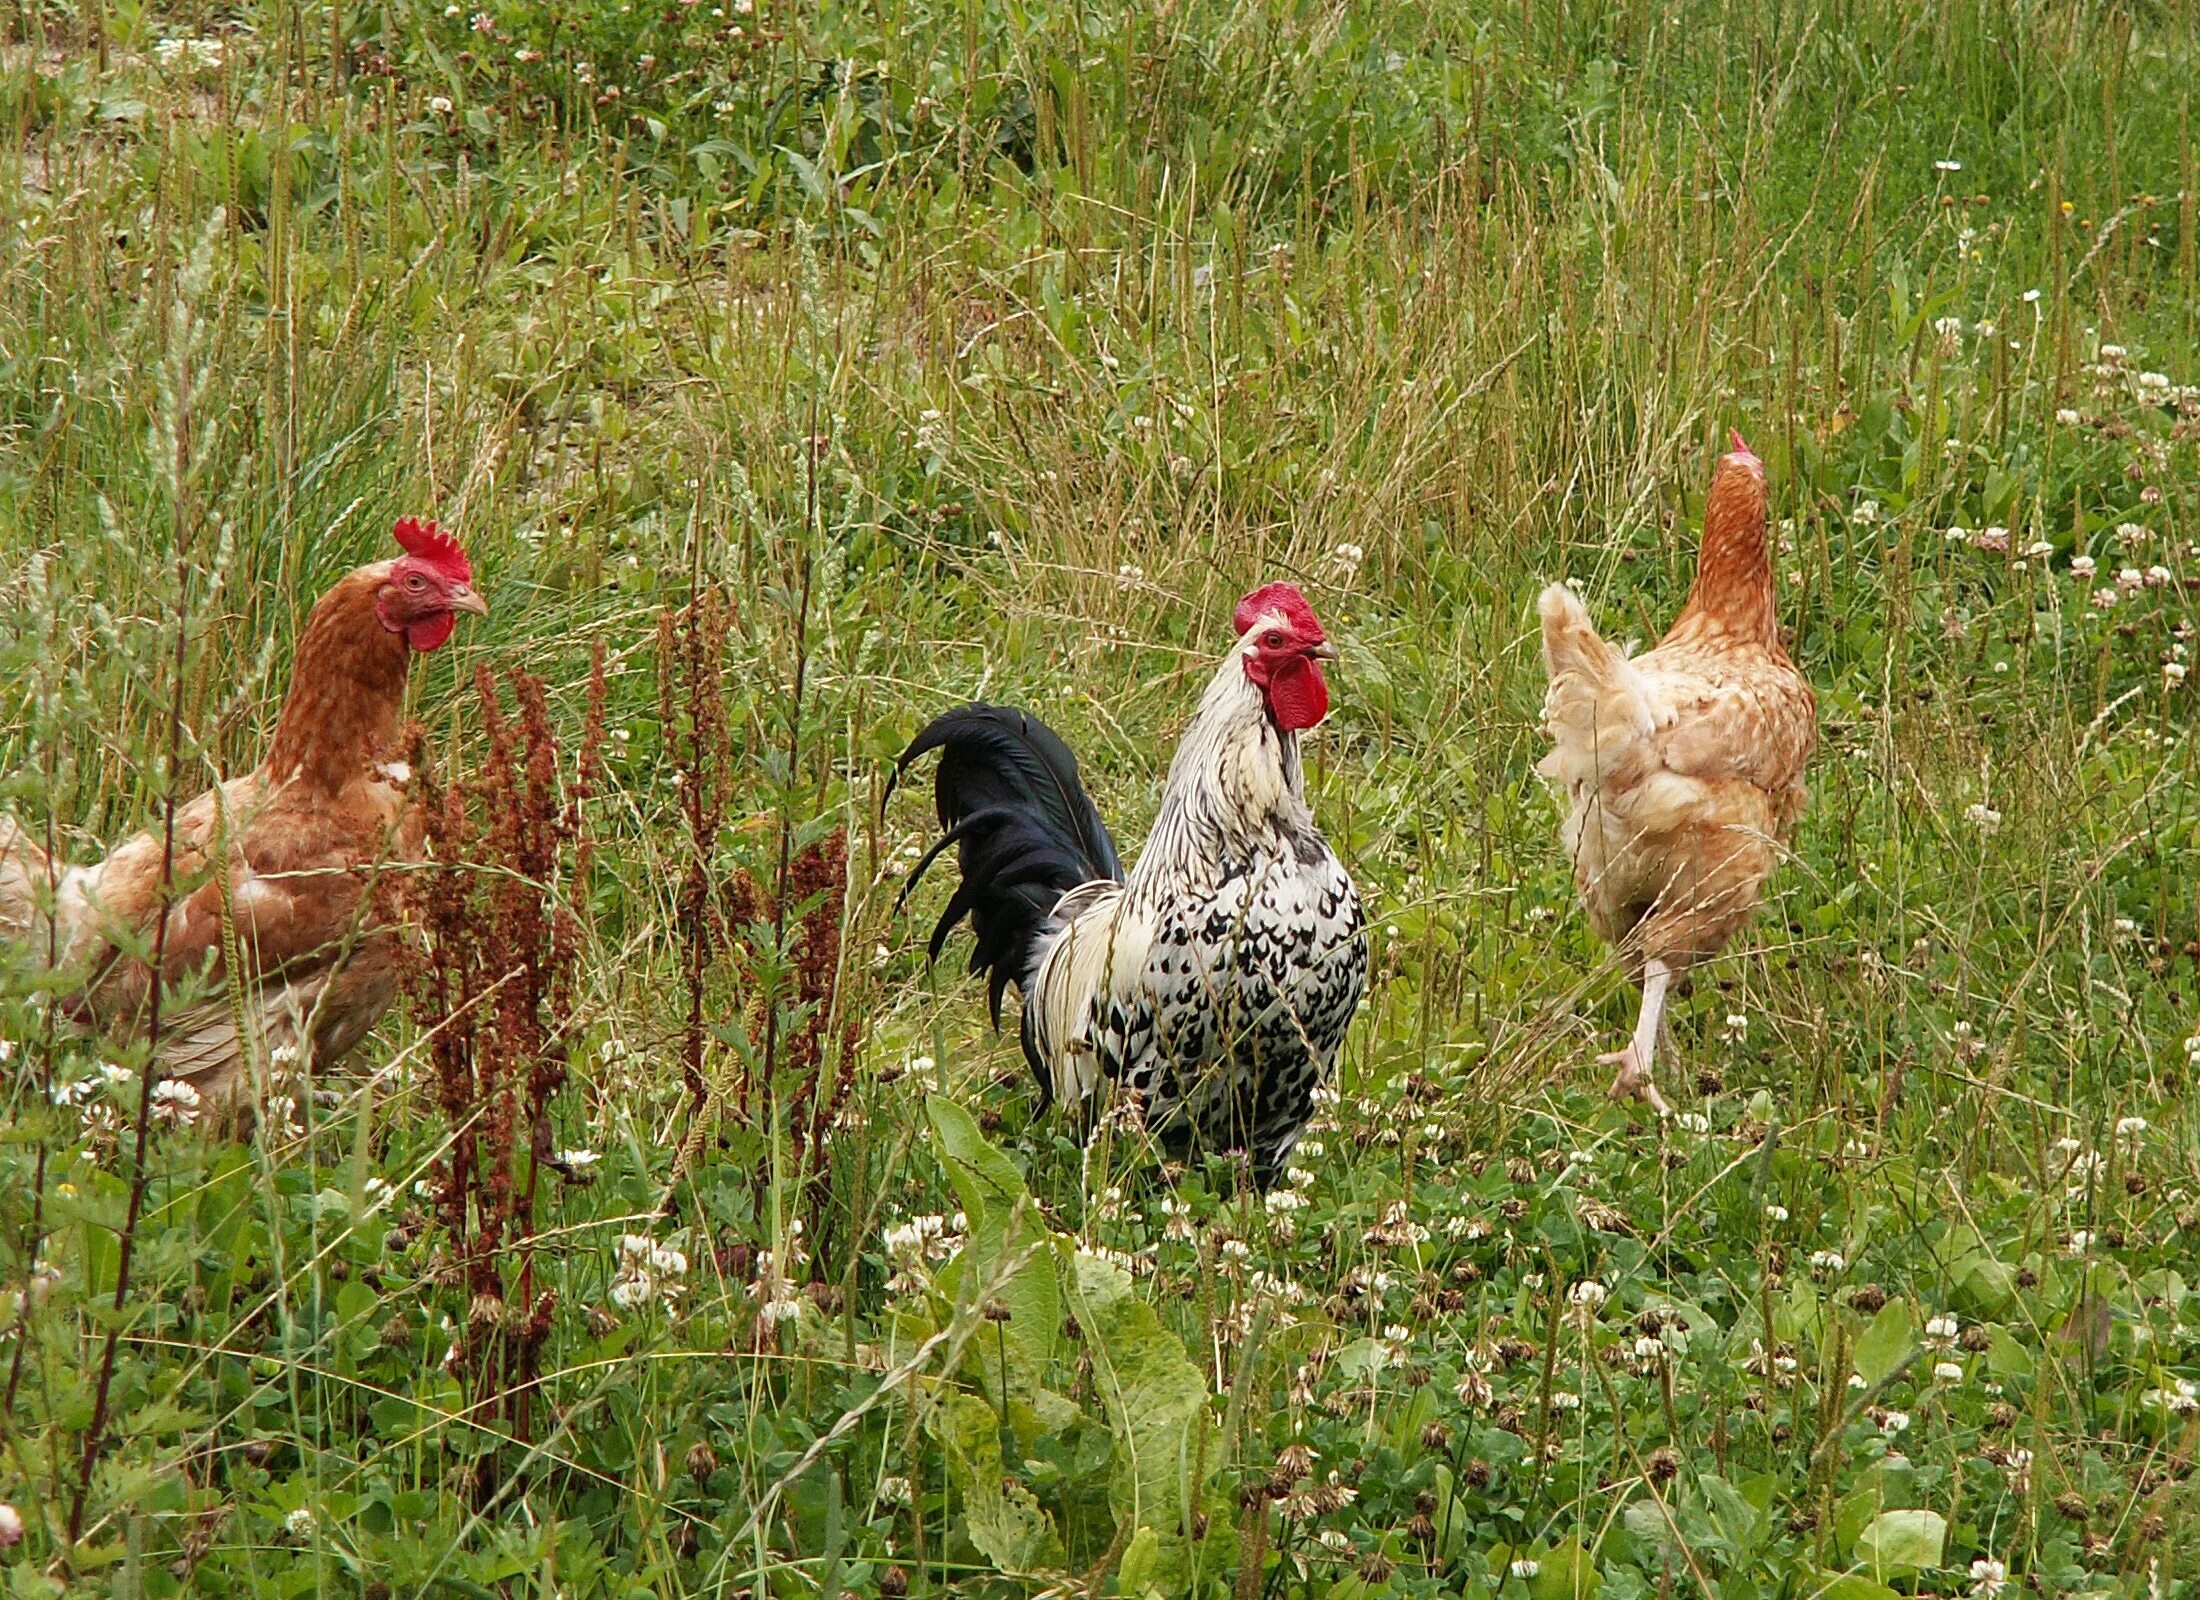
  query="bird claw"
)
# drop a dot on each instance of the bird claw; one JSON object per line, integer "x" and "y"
{"x": 1634, "y": 1082}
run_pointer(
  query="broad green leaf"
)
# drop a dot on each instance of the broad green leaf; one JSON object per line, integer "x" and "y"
{"x": 1004, "y": 1520}
{"x": 1739, "y": 1523}
{"x": 1566, "y": 1573}
{"x": 1983, "y": 1285}
{"x": 1901, "y": 1541}
{"x": 1648, "y": 1524}
{"x": 1004, "y": 1225}
{"x": 1887, "y": 1343}
{"x": 1152, "y": 1396}
{"x": 2006, "y": 1358}
{"x": 1850, "y": 1586}
{"x": 1141, "y": 1559}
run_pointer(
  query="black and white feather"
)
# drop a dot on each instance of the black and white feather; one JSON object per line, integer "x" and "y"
{"x": 1217, "y": 979}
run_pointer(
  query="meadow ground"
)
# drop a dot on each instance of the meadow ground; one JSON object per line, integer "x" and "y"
{"x": 821, "y": 367}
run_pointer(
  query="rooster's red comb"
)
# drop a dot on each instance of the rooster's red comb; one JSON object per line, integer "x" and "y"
{"x": 434, "y": 549}
{"x": 1279, "y": 597}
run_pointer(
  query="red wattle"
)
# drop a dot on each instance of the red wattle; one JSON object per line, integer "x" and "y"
{"x": 430, "y": 632}
{"x": 1298, "y": 696}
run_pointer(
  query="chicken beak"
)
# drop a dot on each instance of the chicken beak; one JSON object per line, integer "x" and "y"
{"x": 1325, "y": 651}
{"x": 464, "y": 599}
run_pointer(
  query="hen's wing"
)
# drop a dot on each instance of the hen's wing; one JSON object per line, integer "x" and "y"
{"x": 1725, "y": 716}
{"x": 290, "y": 881}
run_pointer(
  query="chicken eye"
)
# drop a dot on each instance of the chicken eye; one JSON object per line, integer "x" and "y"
{"x": 415, "y": 582}
{"x": 1274, "y": 641}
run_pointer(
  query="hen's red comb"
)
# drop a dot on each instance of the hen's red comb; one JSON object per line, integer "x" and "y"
{"x": 1740, "y": 443}
{"x": 434, "y": 549}
{"x": 1278, "y": 597}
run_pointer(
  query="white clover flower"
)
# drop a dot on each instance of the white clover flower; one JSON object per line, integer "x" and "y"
{"x": 579, "y": 1160}
{"x": 2081, "y": 567}
{"x": 1589, "y": 1295}
{"x": 1335, "y": 1540}
{"x": 1866, "y": 512}
{"x": 175, "y": 1101}
{"x": 2067, "y": 417}
{"x": 1947, "y": 166}
{"x": 1691, "y": 1122}
{"x": 11, "y": 1526}
{"x": 1565, "y": 1400}
{"x": 1894, "y": 1422}
{"x": 299, "y": 1522}
{"x": 1828, "y": 1262}
{"x": 1948, "y": 1371}
{"x": 2131, "y": 534}
{"x": 1995, "y": 539}
{"x": 2039, "y": 550}
{"x": 2030, "y": 297}
{"x": 1526, "y": 1568}
{"x": 1942, "y": 1327}
{"x": 2112, "y": 353}
{"x": 1237, "y": 1249}
{"x": 1736, "y": 1028}
{"x": 2130, "y": 1127}
{"x": 1282, "y": 1200}
{"x": 2079, "y": 1242}
{"x": 1774, "y": 1213}
{"x": 2131, "y": 580}
{"x": 1985, "y": 816}
{"x": 2158, "y": 577}
{"x": 1988, "y": 1577}
{"x": 439, "y": 104}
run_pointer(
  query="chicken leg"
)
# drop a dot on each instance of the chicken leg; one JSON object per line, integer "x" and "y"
{"x": 1637, "y": 1059}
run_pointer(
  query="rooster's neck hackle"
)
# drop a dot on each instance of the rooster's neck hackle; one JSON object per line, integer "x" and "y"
{"x": 1235, "y": 785}
{"x": 347, "y": 692}
{"x": 1732, "y": 597}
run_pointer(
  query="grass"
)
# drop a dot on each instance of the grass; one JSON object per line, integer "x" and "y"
{"x": 982, "y": 350}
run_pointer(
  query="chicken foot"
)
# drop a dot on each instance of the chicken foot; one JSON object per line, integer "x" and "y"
{"x": 1640, "y": 1055}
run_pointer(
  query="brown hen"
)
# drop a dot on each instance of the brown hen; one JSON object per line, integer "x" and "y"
{"x": 1683, "y": 767}
{"x": 284, "y": 872}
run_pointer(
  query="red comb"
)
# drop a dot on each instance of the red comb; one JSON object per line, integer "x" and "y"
{"x": 1278, "y": 597}
{"x": 434, "y": 549}
{"x": 1740, "y": 444}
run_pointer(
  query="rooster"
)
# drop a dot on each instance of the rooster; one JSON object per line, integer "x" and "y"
{"x": 1683, "y": 767}
{"x": 274, "y": 873}
{"x": 1214, "y": 982}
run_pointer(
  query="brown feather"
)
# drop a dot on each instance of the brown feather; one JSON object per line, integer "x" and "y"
{"x": 295, "y": 859}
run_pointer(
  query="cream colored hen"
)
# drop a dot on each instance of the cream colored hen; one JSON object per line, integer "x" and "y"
{"x": 1683, "y": 767}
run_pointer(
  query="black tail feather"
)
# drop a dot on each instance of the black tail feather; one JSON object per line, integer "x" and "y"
{"x": 1010, "y": 799}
